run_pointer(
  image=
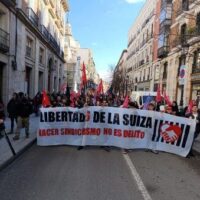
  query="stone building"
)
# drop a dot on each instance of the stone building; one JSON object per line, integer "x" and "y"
{"x": 140, "y": 49}
{"x": 180, "y": 54}
{"x": 71, "y": 56}
{"x": 120, "y": 82}
{"x": 34, "y": 57}
{"x": 7, "y": 45}
{"x": 86, "y": 56}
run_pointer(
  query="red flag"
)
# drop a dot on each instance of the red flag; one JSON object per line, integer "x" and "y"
{"x": 84, "y": 78}
{"x": 126, "y": 101}
{"x": 63, "y": 87}
{"x": 158, "y": 96}
{"x": 99, "y": 89}
{"x": 166, "y": 98}
{"x": 45, "y": 99}
{"x": 189, "y": 108}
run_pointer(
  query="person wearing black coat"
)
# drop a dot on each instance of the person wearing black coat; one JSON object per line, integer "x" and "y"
{"x": 24, "y": 109}
{"x": 12, "y": 111}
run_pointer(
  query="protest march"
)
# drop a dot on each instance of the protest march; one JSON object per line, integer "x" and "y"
{"x": 126, "y": 128}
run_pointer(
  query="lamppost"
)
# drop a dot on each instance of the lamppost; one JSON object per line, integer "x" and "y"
{"x": 182, "y": 71}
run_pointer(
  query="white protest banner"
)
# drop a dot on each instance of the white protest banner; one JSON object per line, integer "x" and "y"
{"x": 107, "y": 126}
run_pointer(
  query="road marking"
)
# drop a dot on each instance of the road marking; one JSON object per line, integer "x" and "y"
{"x": 137, "y": 178}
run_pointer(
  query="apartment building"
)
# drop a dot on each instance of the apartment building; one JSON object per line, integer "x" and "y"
{"x": 179, "y": 49}
{"x": 140, "y": 49}
{"x": 86, "y": 57}
{"x": 35, "y": 60}
{"x": 120, "y": 78}
{"x": 7, "y": 45}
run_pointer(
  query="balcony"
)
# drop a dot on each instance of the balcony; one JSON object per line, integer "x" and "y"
{"x": 164, "y": 3}
{"x": 165, "y": 25}
{"x": 9, "y": 3}
{"x": 44, "y": 31}
{"x": 33, "y": 17}
{"x": 163, "y": 51}
{"x": 4, "y": 41}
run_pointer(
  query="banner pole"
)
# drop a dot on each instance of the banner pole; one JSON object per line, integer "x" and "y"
{"x": 9, "y": 143}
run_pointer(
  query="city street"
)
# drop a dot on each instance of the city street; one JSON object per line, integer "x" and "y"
{"x": 50, "y": 173}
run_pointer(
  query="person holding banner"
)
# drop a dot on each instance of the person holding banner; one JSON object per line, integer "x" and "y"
{"x": 131, "y": 105}
{"x": 195, "y": 114}
{"x": 152, "y": 107}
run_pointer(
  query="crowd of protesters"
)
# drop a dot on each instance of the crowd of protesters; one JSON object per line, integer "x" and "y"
{"x": 20, "y": 107}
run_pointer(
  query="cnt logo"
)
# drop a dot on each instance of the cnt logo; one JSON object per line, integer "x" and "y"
{"x": 170, "y": 133}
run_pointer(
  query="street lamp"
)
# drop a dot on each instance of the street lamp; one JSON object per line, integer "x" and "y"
{"x": 181, "y": 73}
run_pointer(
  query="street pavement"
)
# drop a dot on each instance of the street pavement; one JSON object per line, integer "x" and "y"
{"x": 63, "y": 173}
{"x": 21, "y": 144}
{"x": 49, "y": 173}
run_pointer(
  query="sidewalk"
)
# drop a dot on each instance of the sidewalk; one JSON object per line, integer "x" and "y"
{"x": 19, "y": 145}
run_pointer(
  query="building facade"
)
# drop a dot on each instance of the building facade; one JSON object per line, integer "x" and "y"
{"x": 7, "y": 45}
{"x": 86, "y": 57}
{"x": 179, "y": 53}
{"x": 71, "y": 57}
{"x": 140, "y": 49}
{"x": 35, "y": 60}
{"x": 120, "y": 78}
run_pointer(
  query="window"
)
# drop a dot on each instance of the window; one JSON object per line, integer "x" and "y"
{"x": 198, "y": 23}
{"x": 165, "y": 70}
{"x": 183, "y": 33}
{"x": 29, "y": 45}
{"x": 152, "y": 30}
{"x": 196, "y": 61}
{"x": 163, "y": 14}
{"x": 163, "y": 40}
{"x": 185, "y": 4}
{"x": 41, "y": 56}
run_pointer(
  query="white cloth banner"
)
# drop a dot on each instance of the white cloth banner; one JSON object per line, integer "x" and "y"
{"x": 120, "y": 127}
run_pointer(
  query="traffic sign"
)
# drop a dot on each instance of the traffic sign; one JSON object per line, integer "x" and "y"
{"x": 182, "y": 75}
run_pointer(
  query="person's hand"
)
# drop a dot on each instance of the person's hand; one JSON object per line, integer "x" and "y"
{"x": 1, "y": 121}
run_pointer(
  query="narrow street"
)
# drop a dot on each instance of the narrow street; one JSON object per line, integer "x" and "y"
{"x": 62, "y": 173}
